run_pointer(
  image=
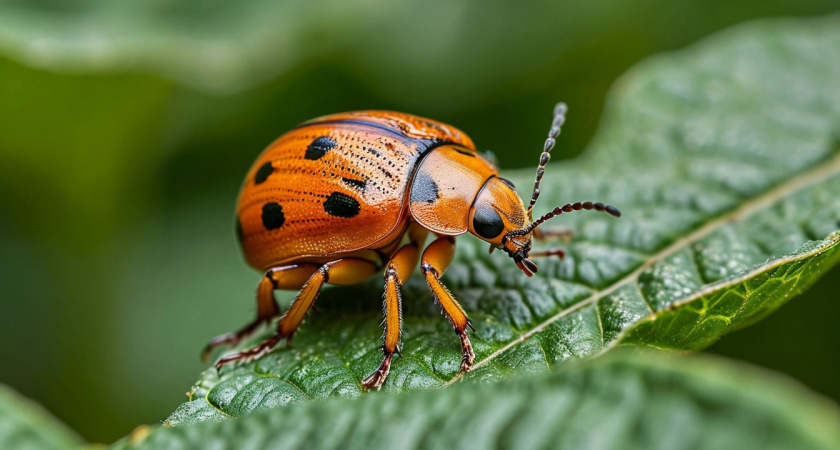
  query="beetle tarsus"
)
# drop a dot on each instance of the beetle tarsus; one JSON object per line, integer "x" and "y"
{"x": 252, "y": 353}
{"x": 231, "y": 339}
{"x": 552, "y": 252}
{"x": 218, "y": 341}
{"x": 375, "y": 380}
{"x": 468, "y": 358}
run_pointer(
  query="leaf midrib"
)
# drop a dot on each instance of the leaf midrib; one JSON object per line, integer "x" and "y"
{"x": 821, "y": 172}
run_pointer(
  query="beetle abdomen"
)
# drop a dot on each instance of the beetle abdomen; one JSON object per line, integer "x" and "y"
{"x": 333, "y": 185}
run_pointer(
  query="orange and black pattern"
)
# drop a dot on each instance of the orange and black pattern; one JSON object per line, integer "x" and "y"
{"x": 334, "y": 185}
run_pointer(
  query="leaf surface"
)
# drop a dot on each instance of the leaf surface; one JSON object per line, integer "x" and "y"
{"x": 724, "y": 160}
{"x": 25, "y": 425}
{"x": 627, "y": 400}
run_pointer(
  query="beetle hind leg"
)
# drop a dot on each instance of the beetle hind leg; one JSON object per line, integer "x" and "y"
{"x": 284, "y": 277}
{"x": 340, "y": 272}
{"x": 267, "y": 309}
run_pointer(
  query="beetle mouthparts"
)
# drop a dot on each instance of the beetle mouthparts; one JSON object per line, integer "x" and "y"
{"x": 525, "y": 265}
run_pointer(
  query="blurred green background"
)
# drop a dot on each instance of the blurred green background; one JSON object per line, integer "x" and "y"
{"x": 126, "y": 128}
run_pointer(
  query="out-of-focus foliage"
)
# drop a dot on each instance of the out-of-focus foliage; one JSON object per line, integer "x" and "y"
{"x": 726, "y": 201}
{"x": 630, "y": 400}
{"x": 125, "y": 129}
{"x": 24, "y": 425}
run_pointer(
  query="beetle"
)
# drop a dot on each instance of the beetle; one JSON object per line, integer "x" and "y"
{"x": 342, "y": 197}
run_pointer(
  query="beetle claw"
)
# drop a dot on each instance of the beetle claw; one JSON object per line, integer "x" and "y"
{"x": 252, "y": 353}
{"x": 468, "y": 357}
{"x": 378, "y": 377}
{"x": 231, "y": 339}
{"x": 218, "y": 341}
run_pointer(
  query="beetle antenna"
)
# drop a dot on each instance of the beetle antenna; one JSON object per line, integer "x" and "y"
{"x": 568, "y": 207}
{"x": 557, "y": 122}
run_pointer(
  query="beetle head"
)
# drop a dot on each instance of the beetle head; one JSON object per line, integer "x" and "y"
{"x": 498, "y": 216}
{"x": 518, "y": 246}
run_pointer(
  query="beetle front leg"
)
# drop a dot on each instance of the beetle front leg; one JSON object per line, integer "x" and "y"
{"x": 546, "y": 253}
{"x": 436, "y": 259}
{"x": 549, "y": 234}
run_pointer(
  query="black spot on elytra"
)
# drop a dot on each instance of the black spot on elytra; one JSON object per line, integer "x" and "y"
{"x": 487, "y": 222}
{"x": 424, "y": 189}
{"x": 263, "y": 172}
{"x": 319, "y": 147}
{"x": 272, "y": 216}
{"x": 240, "y": 234}
{"x": 374, "y": 151}
{"x": 342, "y": 205}
{"x": 355, "y": 183}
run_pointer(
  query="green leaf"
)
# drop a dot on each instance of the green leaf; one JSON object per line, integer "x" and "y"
{"x": 723, "y": 158}
{"x": 627, "y": 400}
{"x": 26, "y": 425}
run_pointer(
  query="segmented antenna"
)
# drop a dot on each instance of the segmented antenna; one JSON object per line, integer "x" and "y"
{"x": 567, "y": 208}
{"x": 556, "y": 123}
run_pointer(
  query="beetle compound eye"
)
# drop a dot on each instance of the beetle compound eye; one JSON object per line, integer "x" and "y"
{"x": 487, "y": 222}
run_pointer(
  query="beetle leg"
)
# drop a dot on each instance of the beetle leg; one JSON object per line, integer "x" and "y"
{"x": 341, "y": 272}
{"x": 552, "y": 233}
{"x": 436, "y": 259}
{"x": 398, "y": 270}
{"x": 284, "y": 277}
{"x": 550, "y": 252}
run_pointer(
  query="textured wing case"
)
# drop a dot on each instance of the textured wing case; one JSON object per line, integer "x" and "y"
{"x": 333, "y": 185}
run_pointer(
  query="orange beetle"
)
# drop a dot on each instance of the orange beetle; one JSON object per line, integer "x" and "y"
{"x": 341, "y": 197}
